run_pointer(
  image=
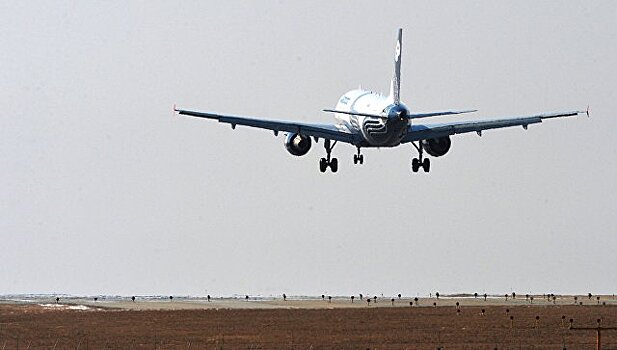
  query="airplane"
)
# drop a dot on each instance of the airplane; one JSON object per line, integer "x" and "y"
{"x": 366, "y": 119}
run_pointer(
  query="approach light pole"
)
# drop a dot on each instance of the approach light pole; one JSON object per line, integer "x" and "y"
{"x": 598, "y": 330}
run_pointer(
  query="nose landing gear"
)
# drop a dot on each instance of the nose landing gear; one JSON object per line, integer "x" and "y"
{"x": 358, "y": 158}
{"x": 416, "y": 163}
{"x": 324, "y": 163}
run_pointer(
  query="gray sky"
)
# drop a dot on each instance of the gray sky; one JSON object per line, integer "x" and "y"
{"x": 105, "y": 191}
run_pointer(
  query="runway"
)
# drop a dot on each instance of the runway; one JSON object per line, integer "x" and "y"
{"x": 301, "y": 302}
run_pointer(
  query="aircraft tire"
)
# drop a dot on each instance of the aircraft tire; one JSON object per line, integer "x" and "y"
{"x": 323, "y": 165}
{"x": 415, "y": 165}
{"x": 334, "y": 165}
{"x": 426, "y": 165}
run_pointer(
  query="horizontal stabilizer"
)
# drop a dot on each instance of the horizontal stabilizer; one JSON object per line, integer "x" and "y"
{"x": 437, "y": 114}
{"x": 356, "y": 113}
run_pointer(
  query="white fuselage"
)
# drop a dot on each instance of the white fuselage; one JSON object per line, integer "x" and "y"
{"x": 386, "y": 131}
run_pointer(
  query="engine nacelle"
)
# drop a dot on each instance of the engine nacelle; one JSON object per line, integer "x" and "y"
{"x": 297, "y": 144}
{"x": 437, "y": 147}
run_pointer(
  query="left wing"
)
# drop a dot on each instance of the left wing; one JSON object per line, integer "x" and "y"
{"x": 423, "y": 132}
{"x": 326, "y": 131}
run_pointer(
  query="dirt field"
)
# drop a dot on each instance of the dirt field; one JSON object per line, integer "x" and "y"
{"x": 46, "y": 327}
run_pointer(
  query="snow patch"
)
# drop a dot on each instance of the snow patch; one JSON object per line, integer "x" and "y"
{"x": 66, "y": 307}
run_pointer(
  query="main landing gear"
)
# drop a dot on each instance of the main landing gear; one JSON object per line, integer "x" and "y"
{"x": 358, "y": 158}
{"x": 416, "y": 163}
{"x": 324, "y": 163}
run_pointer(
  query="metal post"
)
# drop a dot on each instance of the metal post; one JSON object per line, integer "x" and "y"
{"x": 598, "y": 330}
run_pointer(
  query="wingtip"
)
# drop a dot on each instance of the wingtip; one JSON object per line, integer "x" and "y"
{"x": 587, "y": 111}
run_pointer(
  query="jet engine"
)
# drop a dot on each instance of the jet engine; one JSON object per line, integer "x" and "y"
{"x": 437, "y": 147}
{"x": 297, "y": 144}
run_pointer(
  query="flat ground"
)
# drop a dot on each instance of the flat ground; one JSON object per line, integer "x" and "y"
{"x": 313, "y": 324}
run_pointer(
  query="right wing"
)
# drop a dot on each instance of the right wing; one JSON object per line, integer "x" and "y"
{"x": 430, "y": 131}
{"x": 326, "y": 131}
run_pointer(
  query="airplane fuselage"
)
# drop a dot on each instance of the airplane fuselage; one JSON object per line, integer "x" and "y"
{"x": 386, "y": 131}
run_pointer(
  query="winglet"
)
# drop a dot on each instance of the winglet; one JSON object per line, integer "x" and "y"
{"x": 587, "y": 111}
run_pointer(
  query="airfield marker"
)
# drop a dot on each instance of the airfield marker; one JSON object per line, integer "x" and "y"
{"x": 598, "y": 330}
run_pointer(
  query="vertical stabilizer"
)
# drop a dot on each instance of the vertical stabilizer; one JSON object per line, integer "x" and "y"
{"x": 395, "y": 87}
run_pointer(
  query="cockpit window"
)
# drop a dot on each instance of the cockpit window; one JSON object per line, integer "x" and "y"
{"x": 344, "y": 100}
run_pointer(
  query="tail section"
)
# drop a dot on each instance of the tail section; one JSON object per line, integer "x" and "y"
{"x": 395, "y": 87}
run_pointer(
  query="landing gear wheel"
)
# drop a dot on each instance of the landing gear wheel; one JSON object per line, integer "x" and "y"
{"x": 334, "y": 165}
{"x": 415, "y": 165}
{"x": 358, "y": 158}
{"x": 323, "y": 165}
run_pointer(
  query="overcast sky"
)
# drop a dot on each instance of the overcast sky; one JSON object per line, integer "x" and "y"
{"x": 105, "y": 191}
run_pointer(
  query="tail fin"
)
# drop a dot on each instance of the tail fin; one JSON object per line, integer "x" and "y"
{"x": 395, "y": 87}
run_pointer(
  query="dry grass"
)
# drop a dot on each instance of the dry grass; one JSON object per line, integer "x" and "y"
{"x": 359, "y": 328}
